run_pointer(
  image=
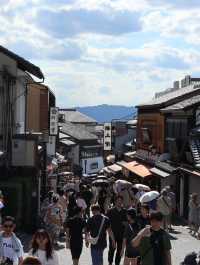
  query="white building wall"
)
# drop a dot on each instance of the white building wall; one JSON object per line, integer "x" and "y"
{"x": 51, "y": 146}
{"x": 88, "y": 165}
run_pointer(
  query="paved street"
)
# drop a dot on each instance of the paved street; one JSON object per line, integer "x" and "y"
{"x": 182, "y": 243}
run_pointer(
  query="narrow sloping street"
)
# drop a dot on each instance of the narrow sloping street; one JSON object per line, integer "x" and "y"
{"x": 182, "y": 244}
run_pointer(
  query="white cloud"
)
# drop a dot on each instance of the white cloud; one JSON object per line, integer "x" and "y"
{"x": 90, "y": 68}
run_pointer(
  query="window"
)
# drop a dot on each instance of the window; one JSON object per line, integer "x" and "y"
{"x": 61, "y": 118}
{"x": 107, "y": 128}
{"x": 176, "y": 128}
{"x": 146, "y": 136}
{"x": 94, "y": 166}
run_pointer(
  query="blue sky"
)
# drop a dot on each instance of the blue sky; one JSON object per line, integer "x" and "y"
{"x": 105, "y": 51}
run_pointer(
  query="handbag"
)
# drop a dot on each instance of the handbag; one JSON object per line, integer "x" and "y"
{"x": 94, "y": 240}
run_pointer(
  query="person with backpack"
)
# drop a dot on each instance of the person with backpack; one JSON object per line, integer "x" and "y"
{"x": 96, "y": 231}
{"x": 153, "y": 242}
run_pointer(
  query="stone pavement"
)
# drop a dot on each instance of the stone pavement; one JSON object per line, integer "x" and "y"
{"x": 182, "y": 244}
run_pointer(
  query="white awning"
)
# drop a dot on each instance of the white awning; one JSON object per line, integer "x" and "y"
{"x": 67, "y": 142}
{"x": 159, "y": 172}
{"x": 115, "y": 168}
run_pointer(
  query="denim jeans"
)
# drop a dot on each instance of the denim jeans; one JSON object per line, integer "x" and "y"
{"x": 97, "y": 256}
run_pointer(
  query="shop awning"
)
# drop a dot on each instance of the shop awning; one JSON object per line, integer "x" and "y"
{"x": 121, "y": 163}
{"x": 191, "y": 172}
{"x": 159, "y": 172}
{"x": 166, "y": 167}
{"x": 138, "y": 169}
{"x": 115, "y": 168}
{"x": 67, "y": 142}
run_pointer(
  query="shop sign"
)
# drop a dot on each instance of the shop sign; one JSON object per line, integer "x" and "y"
{"x": 107, "y": 136}
{"x": 53, "y": 130}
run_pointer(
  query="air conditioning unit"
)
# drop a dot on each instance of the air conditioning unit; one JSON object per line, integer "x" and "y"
{"x": 23, "y": 153}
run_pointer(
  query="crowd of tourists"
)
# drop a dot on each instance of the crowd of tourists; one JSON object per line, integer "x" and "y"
{"x": 136, "y": 230}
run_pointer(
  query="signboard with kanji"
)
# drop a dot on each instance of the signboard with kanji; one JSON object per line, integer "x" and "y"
{"x": 53, "y": 124}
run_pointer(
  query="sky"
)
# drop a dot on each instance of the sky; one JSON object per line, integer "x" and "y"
{"x": 105, "y": 51}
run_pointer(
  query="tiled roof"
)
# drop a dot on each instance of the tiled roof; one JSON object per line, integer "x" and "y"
{"x": 74, "y": 116}
{"x": 76, "y": 131}
{"x": 22, "y": 63}
{"x": 171, "y": 97}
{"x": 183, "y": 104}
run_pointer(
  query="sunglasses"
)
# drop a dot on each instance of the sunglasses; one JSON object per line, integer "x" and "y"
{"x": 8, "y": 226}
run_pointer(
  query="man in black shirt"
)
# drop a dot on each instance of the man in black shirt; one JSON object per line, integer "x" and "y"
{"x": 87, "y": 196}
{"x": 94, "y": 225}
{"x": 117, "y": 216}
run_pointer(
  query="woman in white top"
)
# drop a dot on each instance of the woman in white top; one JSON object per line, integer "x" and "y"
{"x": 41, "y": 247}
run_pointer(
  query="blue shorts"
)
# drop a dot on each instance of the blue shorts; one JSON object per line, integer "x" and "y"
{"x": 97, "y": 256}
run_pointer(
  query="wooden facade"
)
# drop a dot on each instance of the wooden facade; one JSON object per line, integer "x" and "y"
{"x": 37, "y": 108}
{"x": 154, "y": 124}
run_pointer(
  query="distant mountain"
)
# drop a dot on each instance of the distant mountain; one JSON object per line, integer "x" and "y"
{"x": 106, "y": 113}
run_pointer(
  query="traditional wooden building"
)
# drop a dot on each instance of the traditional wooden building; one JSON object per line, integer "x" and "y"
{"x": 168, "y": 139}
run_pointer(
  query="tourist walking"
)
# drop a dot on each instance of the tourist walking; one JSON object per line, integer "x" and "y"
{"x": 143, "y": 217}
{"x": 97, "y": 227}
{"x": 102, "y": 199}
{"x": 117, "y": 216}
{"x": 88, "y": 197}
{"x": 42, "y": 248}
{"x": 74, "y": 234}
{"x": 11, "y": 249}
{"x": 164, "y": 205}
{"x": 54, "y": 219}
{"x": 131, "y": 230}
{"x": 153, "y": 242}
{"x": 63, "y": 201}
{"x": 81, "y": 202}
{"x": 172, "y": 195}
{"x": 193, "y": 213}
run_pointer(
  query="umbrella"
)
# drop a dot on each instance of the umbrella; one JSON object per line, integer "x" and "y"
{"x": 100, "y": 182}
{"x": 149, "y": 196}
{"x": 123, "y": 182}
{"x": 66, "y": 173}
{"x": 102, "y": 177}
{"x": 141, "y": 187}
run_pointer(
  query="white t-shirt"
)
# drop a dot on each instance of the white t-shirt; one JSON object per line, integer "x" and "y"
{"x": 9, "y": 252}
{"x": 41, "y": 255}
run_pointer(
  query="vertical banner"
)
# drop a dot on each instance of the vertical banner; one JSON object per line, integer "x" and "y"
{"x": 107, "y": 136}
{"x": 53, "y": 123}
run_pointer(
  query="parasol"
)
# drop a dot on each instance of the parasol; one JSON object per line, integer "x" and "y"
{"x": 142, "y": 187}
{"x": 149, "y": 196}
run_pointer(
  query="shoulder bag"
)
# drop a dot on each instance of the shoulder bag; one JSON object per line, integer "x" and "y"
{"x": 94, "y": 240}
